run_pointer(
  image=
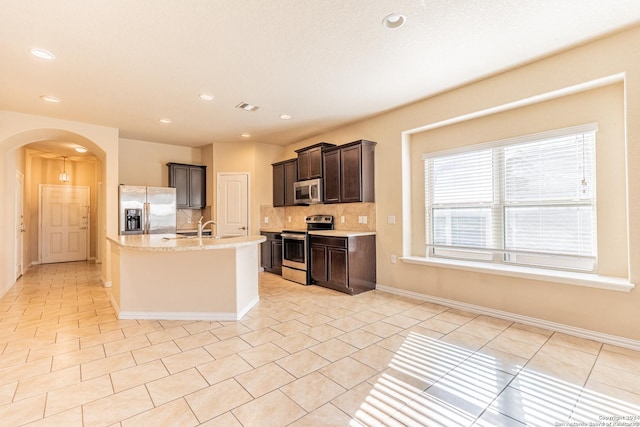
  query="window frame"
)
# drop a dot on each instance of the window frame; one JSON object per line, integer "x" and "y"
{"x": 497, "y": 252}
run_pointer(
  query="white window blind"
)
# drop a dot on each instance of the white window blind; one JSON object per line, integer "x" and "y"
{"x": 527, "y": 200}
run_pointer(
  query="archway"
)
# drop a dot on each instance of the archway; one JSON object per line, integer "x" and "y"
{"x": 101, "y": 142}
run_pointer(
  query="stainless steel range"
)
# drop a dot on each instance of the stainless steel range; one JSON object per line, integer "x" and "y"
{"x": 295, "y": 248}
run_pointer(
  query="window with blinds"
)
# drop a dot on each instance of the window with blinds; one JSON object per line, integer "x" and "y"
{"x": 528, "y": 200}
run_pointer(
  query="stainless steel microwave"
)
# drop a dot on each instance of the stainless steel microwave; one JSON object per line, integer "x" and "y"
{"x": 307, "y": 192}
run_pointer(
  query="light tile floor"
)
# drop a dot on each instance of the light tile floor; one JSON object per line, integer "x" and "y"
{"x": 305, "y": 356}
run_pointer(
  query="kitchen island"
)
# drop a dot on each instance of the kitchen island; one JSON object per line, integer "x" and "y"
{"x": 184, "y": 278}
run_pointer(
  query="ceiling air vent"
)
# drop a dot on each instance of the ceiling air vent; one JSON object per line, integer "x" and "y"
{"x": 247, "y": 107}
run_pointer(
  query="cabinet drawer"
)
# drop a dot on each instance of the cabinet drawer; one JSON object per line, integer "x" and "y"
{"x": 340, "y": 242}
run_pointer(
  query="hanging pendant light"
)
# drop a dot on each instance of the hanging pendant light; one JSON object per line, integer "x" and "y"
{"x": 64, "y": 176}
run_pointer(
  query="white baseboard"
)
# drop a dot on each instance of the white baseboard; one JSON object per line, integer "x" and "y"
{"x": 160, "y": 315}
{"x": 115, "y": 305}
{"x": 532, "y": 321}
{"x": 249, "y": 306}
{"x": 105, "y": 283}
{"x": 6, "y": 289}
{"x": 185, "y": 315}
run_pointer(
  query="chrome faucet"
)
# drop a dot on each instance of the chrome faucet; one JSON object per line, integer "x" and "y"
{"x": 201, "y": 226}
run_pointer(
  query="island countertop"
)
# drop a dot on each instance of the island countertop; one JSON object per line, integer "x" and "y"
{"x": 176, "y": 243}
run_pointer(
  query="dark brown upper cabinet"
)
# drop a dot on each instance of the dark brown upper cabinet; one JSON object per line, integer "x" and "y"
{"x": 348, "y": 172}
{"x": 190, "y": 182}
{"x": 285, "y": 173}
{"x": 310, "y": 161}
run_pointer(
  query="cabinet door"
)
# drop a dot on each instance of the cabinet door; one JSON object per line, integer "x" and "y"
{"x": 331, "y": 175}
{"x": 318, "y": 263}
{"x": 265, "y": 255}
{"x": 278, "y": 185}
{"x": 315, "y": 162}
{"x": 179, "y": 179}
{"x": 276, "y": 255}
{"x": 304, "y": 170}
{"x": 337, "y": 268}
{"x": 197, "y": 187}
{"x": 351, "y": 174}
{"x": 290, "y": 176}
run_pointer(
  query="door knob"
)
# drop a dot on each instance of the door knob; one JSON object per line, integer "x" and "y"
{"x": 242, "y": 228}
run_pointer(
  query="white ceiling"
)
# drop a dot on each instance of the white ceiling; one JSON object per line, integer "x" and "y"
{"x": 128, "y": 63}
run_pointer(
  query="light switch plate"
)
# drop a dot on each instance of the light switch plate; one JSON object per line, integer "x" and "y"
{"x": 266, "y": 220}
{"x": 342, "y": 219}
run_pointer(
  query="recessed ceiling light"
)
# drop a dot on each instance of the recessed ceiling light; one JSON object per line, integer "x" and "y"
{"x": 246, "y": 135}
{"x": 165, "y": 121}
{"x": 50, "y": 98}
{"x": 42, "y": 53}
{"x": 285, "y": 116}
{"x": 81, "y": 149}
{"x": 247, "y": 107}
{"x": 206, "y": 97}
{"x": 394, "y": 20}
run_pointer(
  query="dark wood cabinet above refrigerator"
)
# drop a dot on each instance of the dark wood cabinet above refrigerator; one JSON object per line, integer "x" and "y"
{"x": 190, "y": 182}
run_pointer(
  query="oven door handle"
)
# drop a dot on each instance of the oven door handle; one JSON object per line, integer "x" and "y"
{"x": 294, "y": 236}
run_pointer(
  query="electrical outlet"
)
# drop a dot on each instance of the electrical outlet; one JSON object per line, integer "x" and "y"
{"x": 342, "y": 219}
{"x": 289, "y": 219}
{"x": 393, "y": 259}
{"x": 266, "y": 220}
{"x": 359, "y": 219}
{"x": 391, "y": 219}
{"x": 364, "y": 219}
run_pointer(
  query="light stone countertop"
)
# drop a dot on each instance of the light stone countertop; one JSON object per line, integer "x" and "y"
{"x": 173, "y": 243}
{"x": 341, "y": 233}
{"x": 328, "y": 233}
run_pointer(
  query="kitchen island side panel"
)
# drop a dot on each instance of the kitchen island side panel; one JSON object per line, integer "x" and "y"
{"x": 178, "y": 284}
{"x": 246, "y": 264}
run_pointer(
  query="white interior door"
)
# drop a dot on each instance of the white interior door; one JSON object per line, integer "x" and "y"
{"x": 64, "y": 221}
{"x": 19, "y": 226}
{"x": 233, "y": 204}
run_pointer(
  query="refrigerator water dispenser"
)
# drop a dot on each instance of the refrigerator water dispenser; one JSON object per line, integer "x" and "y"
{"x": 133, "y": 220}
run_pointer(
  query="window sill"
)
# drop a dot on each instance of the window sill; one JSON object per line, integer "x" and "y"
{"x": 566, "y": 277}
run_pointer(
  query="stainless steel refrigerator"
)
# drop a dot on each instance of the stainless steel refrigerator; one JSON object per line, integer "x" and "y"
{"x": 147, "y": 210}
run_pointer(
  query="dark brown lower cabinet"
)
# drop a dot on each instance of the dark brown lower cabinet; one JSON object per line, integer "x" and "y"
{"x": 345, "y": 264}
{"x": 271, "y": 253}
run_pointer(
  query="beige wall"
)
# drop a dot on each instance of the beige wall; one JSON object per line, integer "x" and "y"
{"x": 145, "y": 163}
{"x": 605, "y": 311}
{"x": 604, "y": 105}
{"x": 253, "y": 158}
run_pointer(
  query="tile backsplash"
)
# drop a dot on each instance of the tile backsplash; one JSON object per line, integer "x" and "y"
{"x": 354, "y": 215}
{"x": 187, "y": 219}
